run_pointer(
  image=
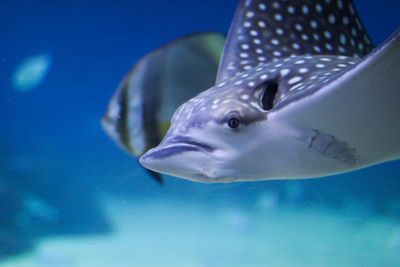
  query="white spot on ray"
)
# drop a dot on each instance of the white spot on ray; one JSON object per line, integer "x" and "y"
{"x": 253, "y": 33}
{"x": 351, "y": 9}
{"x": 305, "y": 10}
{"x": 244, "y": 97}
{"x": 358, "y": 24}
{"x": 294, "y": 80}
{"x": 279, "y": 31}
{"x": 296, "y": 86}
{"x": 345, "y": 20}
{"x": 318, "y": 7}
{"x": 221, "y": 84}
{"x": 250, "y": 14}
{"x": 366, "y": 39}
{"x": 343, "y": 39}
{"x": 331, "y": 19}
{"x": 291, "y": 9}
{"x": 296, "y": 46}
{"x": 278, "y": 17}
{"x": 262, "y": 6}
{"x": 238, "y": 82}
{"x": 284, "y": 72}
{"x": 261, "y": 24}
{"x": 275, "y": 41}
{"x": 314, "y": 24}
{"x": 303, "y": 70}
{"x": 298, "y": 27}
{"x": 327, "y": 34}
{"x": 276, "y": 5}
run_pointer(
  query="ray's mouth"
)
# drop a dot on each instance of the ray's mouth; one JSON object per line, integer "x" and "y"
{"x": 174, "y": 146}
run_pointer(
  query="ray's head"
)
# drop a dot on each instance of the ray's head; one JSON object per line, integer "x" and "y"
{"x": 209, "y": 132}
{"x": 215, "y": 136}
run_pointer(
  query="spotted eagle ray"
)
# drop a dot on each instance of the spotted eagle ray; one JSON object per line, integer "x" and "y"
{"x": 301, "y": 92}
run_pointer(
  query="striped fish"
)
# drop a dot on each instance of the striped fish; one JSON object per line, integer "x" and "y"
{"x": 139, "y": 112}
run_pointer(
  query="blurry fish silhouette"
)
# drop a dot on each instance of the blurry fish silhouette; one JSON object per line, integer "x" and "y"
{"x": 31, "y": 72}
{"x": 300, "y": 93}
{"x": 139, "y": 112}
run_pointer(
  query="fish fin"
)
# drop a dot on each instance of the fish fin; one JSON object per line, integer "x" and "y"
{"x": 156, "y": 176}
{"x": 360, "y": 106}
{"x": 264, "y": 30}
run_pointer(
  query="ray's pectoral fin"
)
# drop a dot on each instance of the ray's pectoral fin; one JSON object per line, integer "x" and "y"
{"x": 360, "y": 106}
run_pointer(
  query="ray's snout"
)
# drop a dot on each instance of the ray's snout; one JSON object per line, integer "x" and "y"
{"x": 171, "y": 155}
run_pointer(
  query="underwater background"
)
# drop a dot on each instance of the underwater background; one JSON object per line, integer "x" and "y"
{"x": 70, "y": 197}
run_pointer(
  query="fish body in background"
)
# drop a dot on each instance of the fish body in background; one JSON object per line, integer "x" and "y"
{"x": 139, "y": 112}
{"x": 31, "y": 72}
{"x": 301, "y": 92}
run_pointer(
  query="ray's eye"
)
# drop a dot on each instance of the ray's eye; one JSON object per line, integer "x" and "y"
{"x": 233, "y": 122}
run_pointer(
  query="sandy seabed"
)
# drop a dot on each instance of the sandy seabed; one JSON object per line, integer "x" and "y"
{"x": 161, "y": 232}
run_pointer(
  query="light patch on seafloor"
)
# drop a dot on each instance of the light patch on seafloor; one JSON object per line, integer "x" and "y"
{"x": 268, "y": 200}
{"x": 31, "y": 72}
{"x": 162, "y": 232}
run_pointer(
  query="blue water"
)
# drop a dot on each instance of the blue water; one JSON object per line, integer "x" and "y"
{"x": 57, "y": 166}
